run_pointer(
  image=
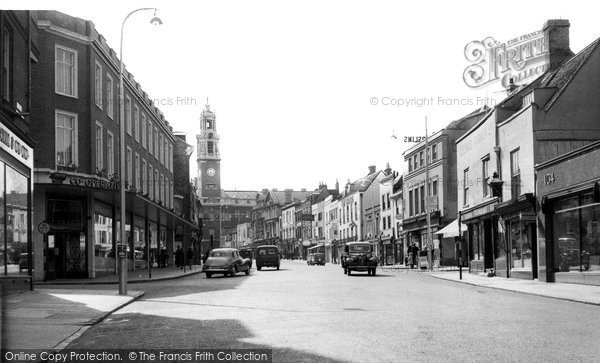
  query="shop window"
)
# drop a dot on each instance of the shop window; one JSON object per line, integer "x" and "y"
{"x": 14, "y": 220}
{"x": 66, "y": 214}
{"x": 576, "y": 241}
{"x": 520, "y": 245}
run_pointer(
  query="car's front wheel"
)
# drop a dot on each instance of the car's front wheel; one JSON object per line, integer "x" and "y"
{"x": 247, "y": 271}
{"x": 258, "y": 267}
{"x": 349, "y": 272}
{"x": 208, "y": 275}
{"x": 373, "y": 271}
{"x": 277, "y": 267}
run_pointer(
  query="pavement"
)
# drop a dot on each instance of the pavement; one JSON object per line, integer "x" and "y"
{"x": 59, "y": 311}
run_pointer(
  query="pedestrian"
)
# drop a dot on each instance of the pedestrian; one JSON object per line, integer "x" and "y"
{"x": 179, "y": 256}
{"x": 164, "y": 257}
{"x": 415, "y": 253}
{"x": 190, "y": 256}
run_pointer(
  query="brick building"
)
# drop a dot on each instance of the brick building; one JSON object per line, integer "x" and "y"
{"x": 76, "y": 121}
{"x": 18, "y": 54}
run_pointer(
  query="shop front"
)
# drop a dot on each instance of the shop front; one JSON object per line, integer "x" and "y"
{"x": 569, "y": 217}
{"x": 415, "y": 232}
{"x": 16, "y": 165}
{"x": 516, "y": 238}
{"x": 82, "y": 216}
{"x": 481, "y": 234}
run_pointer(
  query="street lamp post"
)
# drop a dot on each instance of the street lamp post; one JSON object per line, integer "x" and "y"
{"x": 427, "y": 200}
{"x": 123, "y": 262}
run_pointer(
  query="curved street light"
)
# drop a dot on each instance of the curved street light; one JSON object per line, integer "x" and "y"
{"x": 123, "y": 263}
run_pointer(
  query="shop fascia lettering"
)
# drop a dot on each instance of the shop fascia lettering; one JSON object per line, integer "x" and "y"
{"x": 94, "y": 183}
{"x": 14, "y": 146}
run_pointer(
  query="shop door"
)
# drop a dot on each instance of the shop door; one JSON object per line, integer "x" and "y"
{"x": 488, "y": 254}
{"x": 71, "y": 260}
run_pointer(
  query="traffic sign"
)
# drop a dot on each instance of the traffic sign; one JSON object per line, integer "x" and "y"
{"x": 122, "y": 250}
{"x": 44, "y": 227}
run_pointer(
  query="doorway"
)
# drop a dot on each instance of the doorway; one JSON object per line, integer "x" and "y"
{"x": 71, "y": 257}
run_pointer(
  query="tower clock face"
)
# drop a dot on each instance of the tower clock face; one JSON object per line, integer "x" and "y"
{"x": 211, "y": 172}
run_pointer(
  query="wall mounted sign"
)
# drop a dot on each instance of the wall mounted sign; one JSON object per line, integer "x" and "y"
{"x": 15, "y": 147}
{"x": 94, "y": 183}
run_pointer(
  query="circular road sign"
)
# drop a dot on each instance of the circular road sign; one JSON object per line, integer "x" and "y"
{"x": 44, "y": 228}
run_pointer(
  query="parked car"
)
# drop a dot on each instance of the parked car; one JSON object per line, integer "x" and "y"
{"x": 358, "y": 256}
{"x": 310, "y": 258}
{"x": 267, "y": 256}
{"x": 246, "y": 253}
{"x": 226, "y": 261}
{"x": 319, "y": 259}
{"x": 24, "y": 262}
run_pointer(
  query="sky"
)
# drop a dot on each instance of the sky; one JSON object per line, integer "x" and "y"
{"x": 312, "y": 91}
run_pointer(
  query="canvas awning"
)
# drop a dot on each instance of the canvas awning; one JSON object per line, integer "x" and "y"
{"x": 451, "y": 230}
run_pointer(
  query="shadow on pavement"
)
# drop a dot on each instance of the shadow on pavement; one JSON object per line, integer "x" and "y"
{"x": 139, "y": 332}
{"x": 191, "y": 285}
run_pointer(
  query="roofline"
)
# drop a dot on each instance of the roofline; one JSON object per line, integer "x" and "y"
{"x": 476, "y": 126}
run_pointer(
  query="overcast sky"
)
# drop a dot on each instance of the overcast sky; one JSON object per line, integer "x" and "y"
{"x": 292, "y": 82}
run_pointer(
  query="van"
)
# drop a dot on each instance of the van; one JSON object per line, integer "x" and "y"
{"x": 267, "y": 256}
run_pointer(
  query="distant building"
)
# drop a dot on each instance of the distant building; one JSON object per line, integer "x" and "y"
{"x": 221, "y": 209}
{"x": 436, "y": 196}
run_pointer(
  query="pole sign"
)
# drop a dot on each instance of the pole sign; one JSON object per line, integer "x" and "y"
{"x": 44, "y": 227}
{"x": 121, "y": 250}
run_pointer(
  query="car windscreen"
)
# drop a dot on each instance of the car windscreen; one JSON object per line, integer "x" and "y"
{"x": 272, "y": 251}
{"x": 219, "y": 254}
{"x": 360, "y": 248}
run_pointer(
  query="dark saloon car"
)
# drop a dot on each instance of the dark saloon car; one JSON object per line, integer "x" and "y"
{"x": 358, "y": 256}
{"x": 226, "y": 261}
{"x": 316, "y": 259}
{"x": 267, "y": 256}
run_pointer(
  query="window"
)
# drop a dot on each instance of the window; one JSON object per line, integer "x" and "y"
{"x": 138, "y": 179}
{"x": 434, "y": 152}
{"x": 416, "y": 165}
{"x": 161, "y": 188}
{"x": 384, "y": 223}
{"x": 515, "y": 174}
{"x": 65, "y": 70}
{"x": 356, "y": 210}
{"x": 98, "y": 85}
{"x": 383, "y": 202}
{"x": 466, "y": 187}
{"x": 66, "y": 139}
{"x": 210, "y": 148}
{"x": 485, "y": 175}
{"x": 171, "y": 194}
{"x": 110, "y": 96}
{"x": 388, "y": 201}
{"x": 150, "y": 143}
{"x": 150, "y": 182}
{"x": 156, "y": 186}
{"x": 128, "y": 114}
{"x": 144, "y": 130}
{"x": 166, "y": 152}
{"x": 416, "y": 203}
{"x": 99, "y": 148}
{"x": 389, "y": 218}
{"x": 136, "y": 123}
{"x": 422, "y": 198}
{"x": 410, "y": 166}
{"x": 129, "y": 168}
{"x": 171, "y": 158}
{"x": 6, "y": 63}
{"x": 110, "y": 153}
{"x": 160, "y": 155}
{"x": 156, "y": 155}
{"x": 421, "y": 158}
{"x": 144, "y": 178}
{"x": 435, "y": 188}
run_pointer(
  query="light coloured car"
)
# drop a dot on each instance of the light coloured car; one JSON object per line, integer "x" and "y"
{"x": 226, "y": 261}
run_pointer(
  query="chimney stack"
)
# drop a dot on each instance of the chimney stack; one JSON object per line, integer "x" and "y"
{"x": 556, "y": 35}
{"x": 372, "y": 169}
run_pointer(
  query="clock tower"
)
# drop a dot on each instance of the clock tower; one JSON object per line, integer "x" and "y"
{"x": 209, "y": 158}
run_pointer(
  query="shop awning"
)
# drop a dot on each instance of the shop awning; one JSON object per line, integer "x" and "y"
{"x": 451, "y": 230}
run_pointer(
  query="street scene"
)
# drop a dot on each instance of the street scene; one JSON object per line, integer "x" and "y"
{"x": 286, "y": 182}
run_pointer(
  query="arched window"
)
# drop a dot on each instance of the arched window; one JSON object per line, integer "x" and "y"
{"x": 210, "y": 147}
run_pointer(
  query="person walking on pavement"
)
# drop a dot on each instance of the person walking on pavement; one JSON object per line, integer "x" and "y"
{"x": 179, "y": 257}
{"x": 190, "y": 257}
{"x": 415, "y": 253}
